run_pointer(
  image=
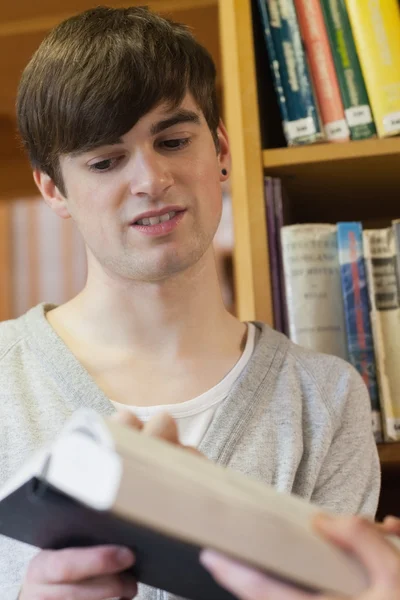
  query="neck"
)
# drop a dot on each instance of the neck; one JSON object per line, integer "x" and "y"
{"x": 182, "y": 315}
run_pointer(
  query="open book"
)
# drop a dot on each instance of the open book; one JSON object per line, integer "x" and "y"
{"x": 101, "y": 482}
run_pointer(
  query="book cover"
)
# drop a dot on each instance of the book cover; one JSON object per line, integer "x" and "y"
{"x": 102, "y": 482}
{"x": 376, "y": 26}
{"x": 315, "y": 37}
{"x": 360, "y": 342}
{"x": 381, "y": 263}
{"x": 313, "y": 288}
{"x": 348, "y": 70}
{"x": 286, "y": 52}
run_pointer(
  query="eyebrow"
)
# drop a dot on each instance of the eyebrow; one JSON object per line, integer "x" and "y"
{"x": 181, "y": 116}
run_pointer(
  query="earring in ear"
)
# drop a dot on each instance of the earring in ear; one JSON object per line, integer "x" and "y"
{"x": 224, "y": 172}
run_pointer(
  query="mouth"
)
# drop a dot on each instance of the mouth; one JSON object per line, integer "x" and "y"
{"x": 159, "y": 223}
{"x": 156, "y": 220}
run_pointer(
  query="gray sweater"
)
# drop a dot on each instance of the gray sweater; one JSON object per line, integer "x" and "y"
{"x": 295, "y": 419}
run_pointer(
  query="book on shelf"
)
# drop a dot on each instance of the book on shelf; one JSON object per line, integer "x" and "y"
{"x": 290, "y": 72}
{"x": 282, "y": 217}
{"x": 102, "y": 482}
{"x": 381, "y": 261}
{"x": 376, "y": 30}
{"x": 313, "y": 288}
{"x": 348, "y": 70}
{"x": 322, "y": 68}
{"x": 277, "y": 302}
{"x": 360, "y": 342}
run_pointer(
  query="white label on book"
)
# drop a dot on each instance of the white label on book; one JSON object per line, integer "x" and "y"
{"x": 337, "y": 130}
{"x": 358, "y": 115}
{"x": 300, "y": 128}
{"x": 391, "y": 123}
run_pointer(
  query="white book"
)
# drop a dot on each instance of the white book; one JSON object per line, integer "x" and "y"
{"x": 381, "y": 263}
{"x": 313, "y": 288}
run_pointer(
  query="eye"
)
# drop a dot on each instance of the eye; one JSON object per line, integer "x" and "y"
{"x": 176, "y": 144}
{"x": 104, "y": 165}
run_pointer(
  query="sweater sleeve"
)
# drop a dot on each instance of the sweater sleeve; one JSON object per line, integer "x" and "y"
{"x": 349, "y": 478}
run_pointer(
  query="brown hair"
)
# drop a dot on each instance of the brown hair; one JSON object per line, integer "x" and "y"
{"x": 97, "y": 73}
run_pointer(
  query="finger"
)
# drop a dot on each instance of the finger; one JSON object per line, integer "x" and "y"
{"x": 76, "y": 564}
{"x": 126, "y": 417}
{"x": 247, "y": 583}
{"x": 391, "y": 525}
{"x": 162, "y": 426}
{"x": 193, "y": 450}
{"x": 99, "y": 588}
{"x": 361, "y": 537}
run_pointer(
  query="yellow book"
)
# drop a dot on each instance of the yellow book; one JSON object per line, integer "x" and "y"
{"x": 376, "y": 30}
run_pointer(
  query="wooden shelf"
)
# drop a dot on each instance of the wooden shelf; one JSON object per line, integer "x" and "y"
{"x": 343, "y": 181}
{"x": 282, "y": 158}
{"x": 389, "y": 455}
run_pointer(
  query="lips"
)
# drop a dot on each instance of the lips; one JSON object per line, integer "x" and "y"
{"x": 158, "y": 224}
{"x": 157, "y": 217}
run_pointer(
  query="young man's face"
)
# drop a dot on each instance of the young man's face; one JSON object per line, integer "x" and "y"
{"x": 148, "y": 207}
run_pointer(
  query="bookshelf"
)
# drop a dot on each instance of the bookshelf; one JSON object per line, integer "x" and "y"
{"x": 325, "y": 182}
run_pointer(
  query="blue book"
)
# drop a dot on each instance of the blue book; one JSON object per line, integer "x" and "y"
{"x": 290, "y": 72}
{"x": 357, "y": 313}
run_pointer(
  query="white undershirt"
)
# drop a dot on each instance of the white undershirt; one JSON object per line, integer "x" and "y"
{"x": 194, "y": 416}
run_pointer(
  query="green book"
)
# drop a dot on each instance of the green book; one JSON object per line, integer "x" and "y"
{"x": 352, "y": 87}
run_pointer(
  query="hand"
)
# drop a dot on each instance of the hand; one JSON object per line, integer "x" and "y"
{"x": 354, "y": 534}
{"x": 161, "y": 426}
{"x": 80, "y": 574}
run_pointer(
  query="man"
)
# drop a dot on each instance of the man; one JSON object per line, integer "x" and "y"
{"x": 117, "y": 110}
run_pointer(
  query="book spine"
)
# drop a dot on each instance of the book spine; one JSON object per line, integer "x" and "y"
{"x": 279, "y": 80}
{"x": 376, "y": 30}
{"x": 273, "y": 252}
{"x": 348, "y": 70}
{"x": 356, "y": 309}
{"x": 303, "y": 125}
{"x": 279, "y": 223}
{"x": 315, "y": 37}
{"x": 380, "y": 259}
{"x": 313, "y": 288}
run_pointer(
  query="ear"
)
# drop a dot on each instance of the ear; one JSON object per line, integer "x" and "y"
{"x": 51, "y": 194}
{"x": 224, "y": 154}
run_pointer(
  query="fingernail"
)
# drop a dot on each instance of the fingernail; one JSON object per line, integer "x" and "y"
{"x": 208, "y": 558}
{"x": 125, "y": 556}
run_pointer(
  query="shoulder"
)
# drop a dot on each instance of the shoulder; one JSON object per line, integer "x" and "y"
{"x": 16, "y": 332}
{"x": 321, "y": 377}
{"x": 11, "y": 334}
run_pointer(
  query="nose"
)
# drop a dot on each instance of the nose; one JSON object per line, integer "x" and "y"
{"x": 150, "y": 175}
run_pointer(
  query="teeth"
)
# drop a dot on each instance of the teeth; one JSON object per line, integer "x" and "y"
{"x": 157, "y": 220}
